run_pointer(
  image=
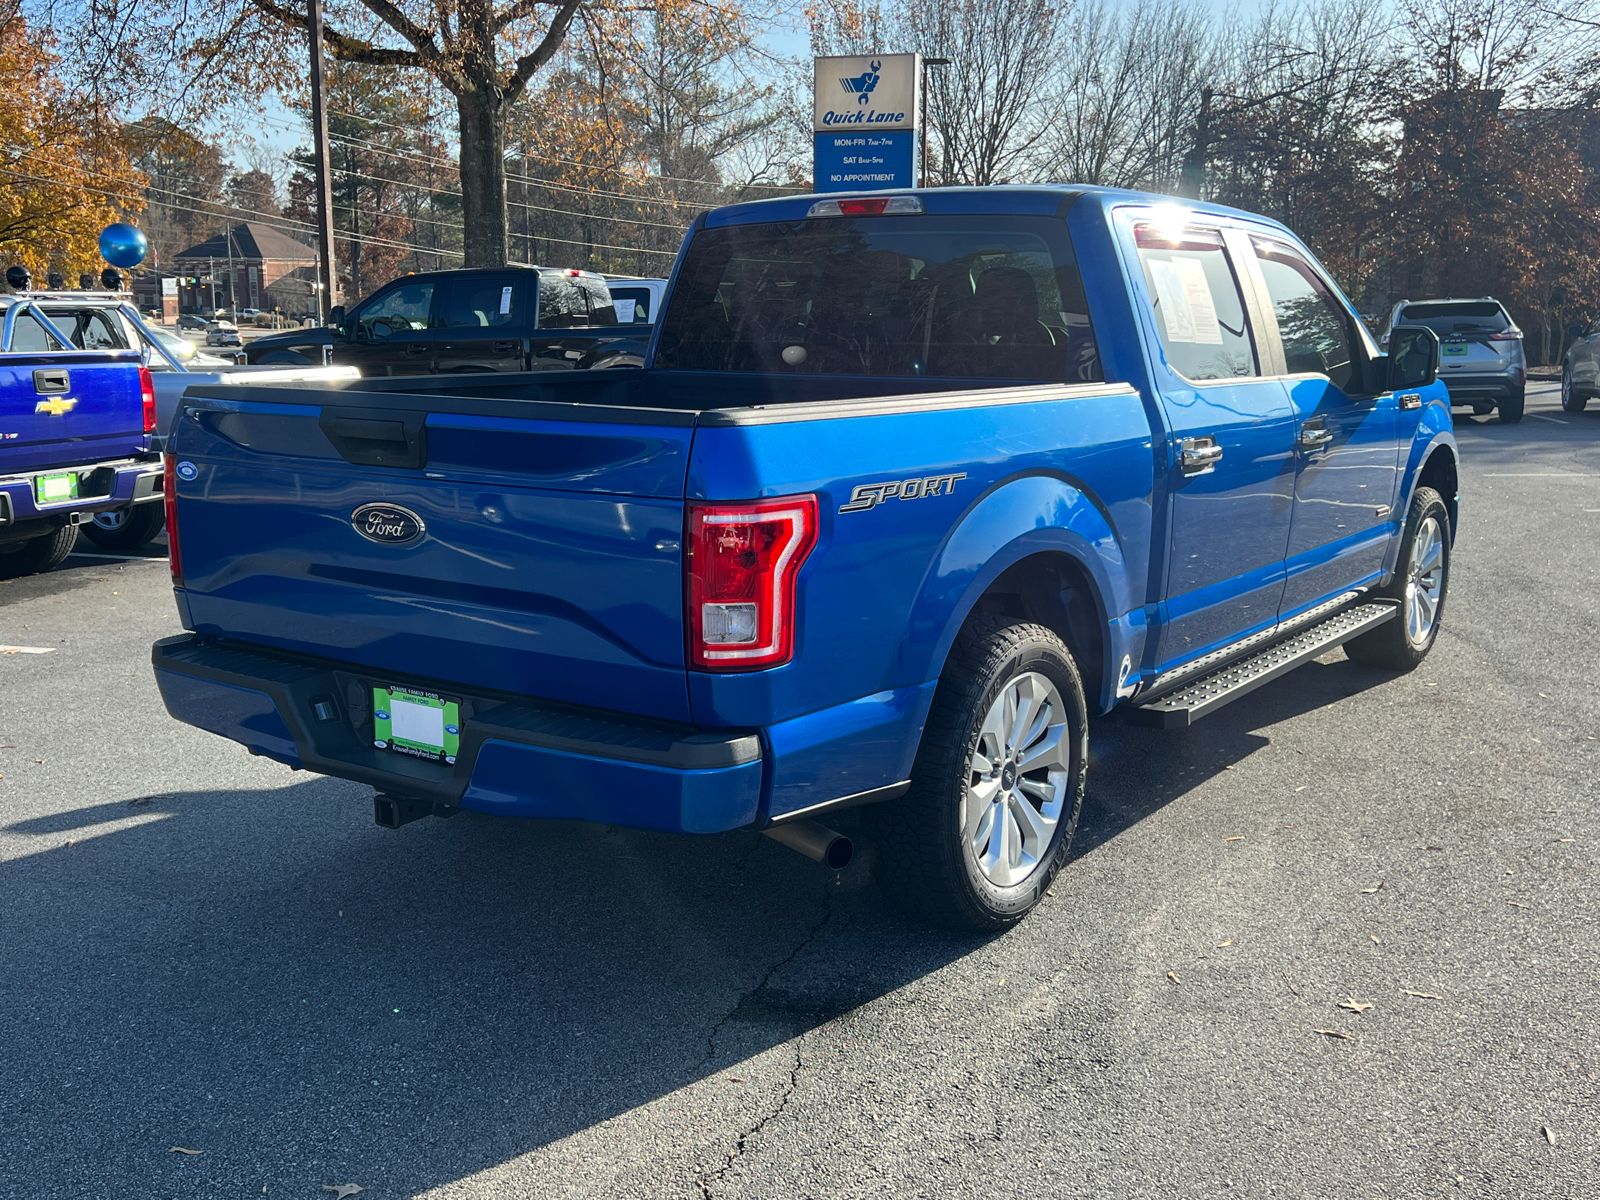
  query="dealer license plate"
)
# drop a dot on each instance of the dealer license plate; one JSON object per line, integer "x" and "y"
{"x": 421, "y": 724}
{"x": 53, "y": 489}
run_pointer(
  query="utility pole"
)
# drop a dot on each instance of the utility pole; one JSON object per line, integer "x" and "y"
{"x": 326, "y": 274}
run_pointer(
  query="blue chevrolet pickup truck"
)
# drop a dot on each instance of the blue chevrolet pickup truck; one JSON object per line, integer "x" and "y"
{"x": 75, "y": 428}
{"x": 911, "y": 486}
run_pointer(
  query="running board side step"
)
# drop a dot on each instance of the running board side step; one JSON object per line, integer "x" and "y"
{"x": 1185, "y": 705}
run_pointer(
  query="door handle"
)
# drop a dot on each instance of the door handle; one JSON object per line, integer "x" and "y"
{"x": 506, "y": 347}
{"x": 1311, "y": 438}
{"x": 417, "y": 347}
{"x": 1200, "y": 455}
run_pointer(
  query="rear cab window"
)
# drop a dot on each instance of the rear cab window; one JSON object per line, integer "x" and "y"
{"x": 926, "y": 296}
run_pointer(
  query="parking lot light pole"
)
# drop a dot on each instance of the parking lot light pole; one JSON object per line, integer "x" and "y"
{"x": 326, "y": 277}
{"x": 922, "y": 119}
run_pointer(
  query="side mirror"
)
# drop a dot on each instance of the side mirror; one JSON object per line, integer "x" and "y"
{"x": 336, "y": 318}
{"x": 1413, "y": 357}
{"x": 381, "y": 331}
{"x": 1575, "y": 331}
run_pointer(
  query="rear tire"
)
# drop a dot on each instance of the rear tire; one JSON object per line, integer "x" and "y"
{"x": 126, "y": 528}
{"x": 1421, "y": 585}
{"x": 1573, "y": 399}
{"x": 1511, "y": 407}
{"x": 997, "y": 788}
{"x": 39, "y": 554}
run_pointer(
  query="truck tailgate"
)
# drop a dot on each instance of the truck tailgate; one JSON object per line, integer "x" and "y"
{"x": 531, "y": 556}
{"x": 60, "y": 410}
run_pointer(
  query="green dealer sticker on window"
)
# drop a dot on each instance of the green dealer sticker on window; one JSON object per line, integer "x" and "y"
{"x": 421, "y": 724}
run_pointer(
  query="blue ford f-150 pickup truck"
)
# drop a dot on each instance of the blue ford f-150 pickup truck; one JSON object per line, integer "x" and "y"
{"x": 910, "y": 487}
{"x": 75, "y": 429}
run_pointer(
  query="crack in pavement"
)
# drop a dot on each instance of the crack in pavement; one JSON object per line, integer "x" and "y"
{"x": 711, "y": 1037}
{"x": 704, "y": 1182}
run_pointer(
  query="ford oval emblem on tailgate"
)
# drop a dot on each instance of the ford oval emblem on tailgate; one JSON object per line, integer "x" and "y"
{"x": 388, "y": 524}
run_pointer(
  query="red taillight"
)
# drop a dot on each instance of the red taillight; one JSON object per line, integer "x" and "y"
{"x": 743, "y": 559}
{"x": 1506, "y": 335}
{"x": 147, "y": 394}
{"x": 169, "y": 490}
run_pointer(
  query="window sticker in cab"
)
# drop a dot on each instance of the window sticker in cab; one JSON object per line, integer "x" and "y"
{"x": 1185, "y": 299}
{"x": 869, "y": 495}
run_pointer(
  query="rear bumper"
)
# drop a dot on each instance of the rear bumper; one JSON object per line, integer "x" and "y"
{"x": 518, "y": 757}
{"x": 112, "y": 484}
{"x": 1470, "y": 389}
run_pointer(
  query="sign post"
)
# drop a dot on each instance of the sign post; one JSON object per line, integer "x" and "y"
{"x": 866, "y": 113}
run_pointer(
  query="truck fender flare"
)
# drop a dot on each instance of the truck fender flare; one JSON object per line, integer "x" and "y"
{"x": 1435, "y": 435}
{"x": 1022, "y": 517}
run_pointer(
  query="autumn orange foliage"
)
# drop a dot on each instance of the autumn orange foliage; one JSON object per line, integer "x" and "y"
{"x": 58, "y": 161}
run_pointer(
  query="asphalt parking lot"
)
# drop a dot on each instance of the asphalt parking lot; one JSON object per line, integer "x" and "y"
{"x": 1340, "y": 940}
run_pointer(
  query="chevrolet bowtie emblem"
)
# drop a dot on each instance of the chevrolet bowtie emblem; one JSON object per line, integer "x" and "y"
{"x": 56, "y": 405}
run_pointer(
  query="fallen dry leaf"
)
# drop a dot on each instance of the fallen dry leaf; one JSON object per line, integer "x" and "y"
{"x": 1549, "y": 1134}
{"x": 1173, "y": 975}
{"x": 1567, "y": 839}
{"x": 1377, "y": 887}
{"x": 1514, "y": 904}
{"x": 1376, "y": 940}
{"x": 736, "y": 1079}
{"x": 1423, "y": 995}
{"x": 1220, "y": 945}
{"x": 1354, "y": 1005}
{"x": 341, "y": 1190}
{"x": 183, "y": 1150}
{"x": 1236, "y": 838}
{"x": 1336, "y": 1033}
{"x": 1302, "y": 787}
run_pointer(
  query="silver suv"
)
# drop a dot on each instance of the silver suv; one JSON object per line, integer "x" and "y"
{"x": 1481, "y": 360}
{"x": 1580, "y": 370}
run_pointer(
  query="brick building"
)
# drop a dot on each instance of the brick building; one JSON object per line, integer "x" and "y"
{"x": 266, "y": 269}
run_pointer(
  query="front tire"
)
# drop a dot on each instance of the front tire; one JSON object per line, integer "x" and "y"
{"x": 1421, "y": 584}
{"x": 1511, "y": 407}
{"x": 39, "y": 554}
{"x": 997, "y": 788}
{"x": 1573, "y": 399}
{"x": 126, "y": 528}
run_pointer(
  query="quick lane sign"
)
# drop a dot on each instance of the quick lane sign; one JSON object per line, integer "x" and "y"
{"x": 865, "y": 119}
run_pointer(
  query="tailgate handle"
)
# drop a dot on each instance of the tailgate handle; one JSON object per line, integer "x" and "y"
{"x": 50, "y": 381}
{"x": 383, "y": 439}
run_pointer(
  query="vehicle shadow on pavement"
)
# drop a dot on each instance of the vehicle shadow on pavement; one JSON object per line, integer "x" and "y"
{"x": 1136, "y": 771}
{"x": 269, "y": 978}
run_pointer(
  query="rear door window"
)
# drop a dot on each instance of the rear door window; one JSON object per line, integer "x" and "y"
{"x": 1199, "y": 311}
{"x": 480, "y": 303}
{"x": 988, "y": 297}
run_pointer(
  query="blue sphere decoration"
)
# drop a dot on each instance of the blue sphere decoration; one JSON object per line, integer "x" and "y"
{"x": 123, "y": 245}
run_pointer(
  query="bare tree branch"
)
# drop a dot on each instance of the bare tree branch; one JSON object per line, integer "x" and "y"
{"x": 543, "y": 52}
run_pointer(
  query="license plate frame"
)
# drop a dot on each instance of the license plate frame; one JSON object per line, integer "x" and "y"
{"x": 416, "y": 722}
{"x": 58, "y": 487}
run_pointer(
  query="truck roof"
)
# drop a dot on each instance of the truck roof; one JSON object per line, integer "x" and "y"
{"x": 1018, "y": 199}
